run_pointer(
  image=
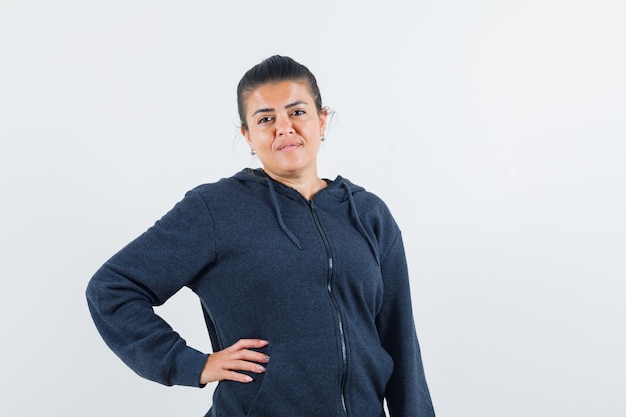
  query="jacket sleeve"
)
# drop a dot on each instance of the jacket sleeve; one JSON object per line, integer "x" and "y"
{"x": 407, "y": 393}
{"x": 145, "y": 273}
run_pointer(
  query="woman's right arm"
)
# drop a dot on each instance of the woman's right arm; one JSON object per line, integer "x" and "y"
{"x": 145, "y": 273}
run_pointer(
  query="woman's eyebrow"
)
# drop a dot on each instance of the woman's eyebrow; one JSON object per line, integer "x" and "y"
{"x": 264, "y": 110}
{"x": 269, "y": 109}
{"x": 295, "y": 103}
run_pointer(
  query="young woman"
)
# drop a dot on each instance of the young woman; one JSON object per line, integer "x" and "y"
{"x": 303, "y": 280}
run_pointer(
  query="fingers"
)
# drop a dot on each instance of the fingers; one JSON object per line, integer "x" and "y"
{"x": 228, "y": 363}
{"x": 240, "y": 351}
{"x": 237, "y": 377}
{"x": 247, "y": 344}
{"x": 248, "y": 366}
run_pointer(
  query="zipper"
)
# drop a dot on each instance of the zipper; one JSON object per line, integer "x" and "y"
{"x": 329, "y": 288}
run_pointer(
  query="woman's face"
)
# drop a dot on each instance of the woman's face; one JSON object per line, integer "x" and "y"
{"x": 284, "y": 128}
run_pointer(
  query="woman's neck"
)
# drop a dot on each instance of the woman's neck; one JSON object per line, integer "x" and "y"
{"x": 307, "y": 186}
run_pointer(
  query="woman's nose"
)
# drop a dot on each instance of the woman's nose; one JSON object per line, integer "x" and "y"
{"x": 284, "y": 126}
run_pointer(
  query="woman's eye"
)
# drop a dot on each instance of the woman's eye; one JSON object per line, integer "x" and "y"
{"x": 297, "y": 112}
{"x": 265, "y": 119}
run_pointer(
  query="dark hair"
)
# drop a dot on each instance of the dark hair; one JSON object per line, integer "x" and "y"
{"x": 275, "y": 69}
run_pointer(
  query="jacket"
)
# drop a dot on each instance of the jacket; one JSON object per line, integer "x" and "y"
{"x": 325, "y": 281}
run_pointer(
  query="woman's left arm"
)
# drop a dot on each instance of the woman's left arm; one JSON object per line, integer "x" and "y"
{"x": 407, "y": 392}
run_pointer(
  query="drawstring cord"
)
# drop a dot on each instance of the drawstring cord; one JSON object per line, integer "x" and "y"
{"x": 279, "y": 215}
{"x": 357, "y": 220}
{"x": 353, "y": 212}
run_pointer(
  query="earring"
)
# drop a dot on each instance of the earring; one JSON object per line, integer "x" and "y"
{"x": 252, "y": 153}
{"x": 322, "y": 138}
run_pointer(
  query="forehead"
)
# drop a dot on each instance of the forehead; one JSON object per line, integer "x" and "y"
{"x": 278, "y": 94}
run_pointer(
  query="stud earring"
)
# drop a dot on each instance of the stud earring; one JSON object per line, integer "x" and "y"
{"x": 252, "y": 153}
{"x": 322, "y": 138}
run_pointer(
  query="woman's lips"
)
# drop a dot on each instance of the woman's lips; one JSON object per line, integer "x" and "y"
{"x": 289, "y": 146}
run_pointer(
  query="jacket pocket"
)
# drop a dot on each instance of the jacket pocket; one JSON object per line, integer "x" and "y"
{"x": 301, "y": 379}
{"x": 370, "y": 369}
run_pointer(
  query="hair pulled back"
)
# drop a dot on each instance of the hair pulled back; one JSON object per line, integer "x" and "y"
{"x": 274, "y": 69}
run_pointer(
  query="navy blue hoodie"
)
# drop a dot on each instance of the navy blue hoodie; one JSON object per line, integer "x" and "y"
{"x": 324, "y": 281}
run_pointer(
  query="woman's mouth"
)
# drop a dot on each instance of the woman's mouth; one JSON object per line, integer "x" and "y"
{"x": 289, "y": 146}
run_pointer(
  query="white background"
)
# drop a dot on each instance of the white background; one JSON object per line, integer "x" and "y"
{"x": 494, "y": 130}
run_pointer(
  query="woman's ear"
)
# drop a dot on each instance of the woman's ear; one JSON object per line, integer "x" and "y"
{"x": 246, "y": 134}
{"x": 323, "y": 116}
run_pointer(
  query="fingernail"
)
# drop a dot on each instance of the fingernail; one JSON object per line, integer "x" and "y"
{"x": 260, "y": 368}
{"x": 267, "y": 358}
{"x": 249, "y": 378}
